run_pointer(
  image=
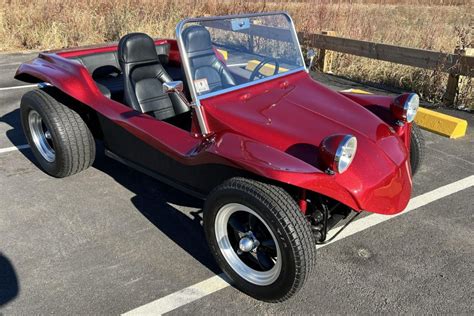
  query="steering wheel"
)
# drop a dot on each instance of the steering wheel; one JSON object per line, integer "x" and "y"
{"x": 256, "y": 72}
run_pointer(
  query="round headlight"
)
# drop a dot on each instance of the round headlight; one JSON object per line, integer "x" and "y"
{"x": 338, "y": 151}
{"x": 405, "y": 106}
{"x": 345, "y": 153}
{"x": 412, "y": 104}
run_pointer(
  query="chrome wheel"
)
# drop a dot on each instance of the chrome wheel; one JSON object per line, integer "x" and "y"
{"x": 248, "y": 244}
{"x": 41, "y": 136}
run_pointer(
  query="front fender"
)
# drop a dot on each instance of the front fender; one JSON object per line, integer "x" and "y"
{"x": 380, "y": 106}
{"x": 377, "y": 104}
{"x": 271, "y": 163}
{"x": 375, "y": 182}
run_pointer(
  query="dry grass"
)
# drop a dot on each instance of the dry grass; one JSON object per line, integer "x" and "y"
{"x": 438, "y": 25}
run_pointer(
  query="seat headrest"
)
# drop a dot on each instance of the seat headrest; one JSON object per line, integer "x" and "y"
{"x": 136, "y": 47}
{"x": 197, "y": 40}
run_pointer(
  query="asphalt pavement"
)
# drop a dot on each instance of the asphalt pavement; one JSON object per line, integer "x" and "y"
{"x": 109, "y": 240}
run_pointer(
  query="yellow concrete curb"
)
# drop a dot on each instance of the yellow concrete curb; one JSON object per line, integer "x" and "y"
{"x": 432, "y": 121}
{"x": 440, "y": 123}
{"x": 267, "y": 69}
{"x": 224, "y": 53}
{"x": 358, "y": 91}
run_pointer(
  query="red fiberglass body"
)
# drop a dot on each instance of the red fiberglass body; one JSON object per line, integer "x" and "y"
{"x": 281, "y": 124}
{"x": 271, "y": 129}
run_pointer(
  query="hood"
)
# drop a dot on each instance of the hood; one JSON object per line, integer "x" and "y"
{"x": 293, "y": 110}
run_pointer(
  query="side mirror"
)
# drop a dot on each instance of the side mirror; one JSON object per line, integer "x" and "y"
{"x": 173, "y": 87}
{"x": 311, "y": 54}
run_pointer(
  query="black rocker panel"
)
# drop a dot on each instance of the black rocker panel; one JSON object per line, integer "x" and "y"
{"x": 197, "y": 180}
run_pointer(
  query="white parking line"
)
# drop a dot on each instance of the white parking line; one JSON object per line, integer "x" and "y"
{"x": 13, "y": 148}
{"x": 182, "y": 297}
{"x": 218, "y": 282}
{"x": 19, "y": 87}
{"x": 415, "y": 203}
{"x": 11, "y": 64}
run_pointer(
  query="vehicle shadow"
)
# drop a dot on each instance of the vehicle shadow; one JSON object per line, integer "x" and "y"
{"x": 156, "y": 201}
{"x": 9, "y": 286}
{"x": 15, "y": 135}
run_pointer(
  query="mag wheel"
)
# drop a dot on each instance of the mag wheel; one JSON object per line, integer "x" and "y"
{"x": 259, "y": 238}
{"x": 248, "y": 244}
{"x": 60, "y": 140}
{"x": 41, "y": 136}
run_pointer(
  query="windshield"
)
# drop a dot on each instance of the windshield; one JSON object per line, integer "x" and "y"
{"x": 224, "y": 53}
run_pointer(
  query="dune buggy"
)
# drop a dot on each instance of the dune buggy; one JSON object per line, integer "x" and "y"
{"x": 228, "y": 112}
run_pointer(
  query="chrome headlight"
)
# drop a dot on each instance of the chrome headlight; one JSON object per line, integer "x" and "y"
{"x": 405, "y": 106}
{"x": 412, "y": 105}
{"x": 338, "y": 151}
{"x": 345, "y": 153}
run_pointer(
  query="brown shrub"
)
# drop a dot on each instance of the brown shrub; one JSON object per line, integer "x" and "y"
{"x": 428, "y": 24}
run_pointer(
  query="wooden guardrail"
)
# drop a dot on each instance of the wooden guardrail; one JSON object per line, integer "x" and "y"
{"x": 457, "y": 64}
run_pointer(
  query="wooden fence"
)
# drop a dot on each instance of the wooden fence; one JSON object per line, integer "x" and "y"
{"x": 456, "y": 64}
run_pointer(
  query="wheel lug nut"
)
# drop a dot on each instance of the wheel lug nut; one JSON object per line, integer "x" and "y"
{"x": 246, "y": 244}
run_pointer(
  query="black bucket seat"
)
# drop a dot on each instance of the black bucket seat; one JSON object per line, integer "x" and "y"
{"x": 144, "y": 76}
{"x": 203, "y": 60}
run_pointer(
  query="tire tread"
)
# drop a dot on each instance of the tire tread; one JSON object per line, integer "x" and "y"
{"x": 77, "y": 143}
{"x": 293, "y": 221}
{"x": 417, "y": 148}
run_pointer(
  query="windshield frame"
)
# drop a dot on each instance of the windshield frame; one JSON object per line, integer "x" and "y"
{"x": 185, "y": 61}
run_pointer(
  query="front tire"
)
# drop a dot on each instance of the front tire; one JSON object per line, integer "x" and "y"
{"x": 417, "y": 148}
{"x": 60, "y": 140}
{"x": 259, "y": 238}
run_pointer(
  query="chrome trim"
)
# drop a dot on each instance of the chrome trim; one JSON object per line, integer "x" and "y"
{"x": 41, "y": 136}
{"x": 297, "y": 40}
{"x": 42, "y": 85}
{"x": 337, "y": 156}
{"x": 406, "y": 106}
{"x": 187, "y": 69}
{"x": 248, "y": 84}
{"x": 173, "y": 87}
{"x": 202, "y": 121}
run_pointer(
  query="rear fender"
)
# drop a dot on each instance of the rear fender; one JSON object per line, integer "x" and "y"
{"x": 271, "y": 163}
{"x": 73, "y": 79}
{"x": 69, "y": 76}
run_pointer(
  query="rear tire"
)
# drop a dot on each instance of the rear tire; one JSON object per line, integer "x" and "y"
{"x": 241, "y": 219}
{"x": 417, "y": 148}
{"x": 60, "y": 140}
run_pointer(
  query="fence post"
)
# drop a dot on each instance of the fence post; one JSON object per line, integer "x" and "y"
{"x": 452, "y": 88}
{"x": 466, "y": 84}
{"x": 325, "y": 58}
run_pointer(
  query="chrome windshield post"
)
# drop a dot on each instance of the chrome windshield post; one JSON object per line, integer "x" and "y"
{"x": 187, "y": 71}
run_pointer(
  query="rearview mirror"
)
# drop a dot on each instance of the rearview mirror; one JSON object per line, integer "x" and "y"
{"x": 311, "y": 54}
{"x": 173, "y": 87}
